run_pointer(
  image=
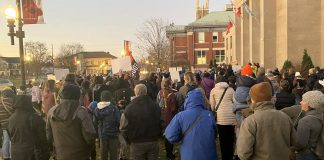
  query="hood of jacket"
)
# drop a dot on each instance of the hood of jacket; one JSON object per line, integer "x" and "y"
{"x": 23, "y": 102}
{"x": 261, "y": 106}
{"x": 102, "y": 105}
{"x": 315, "y": 112}
{"x": 245, "y": 81}
{"x": 207, "y": 82}
{"x": 194, "y": 99}
{"x": 65, "y": 110}
{"x": 222, "y": 85}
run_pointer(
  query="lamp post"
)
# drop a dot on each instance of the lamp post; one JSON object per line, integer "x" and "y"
{"x": 20, "y": 34}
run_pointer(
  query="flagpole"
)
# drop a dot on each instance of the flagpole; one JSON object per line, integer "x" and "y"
{"x": 21, "y": 35}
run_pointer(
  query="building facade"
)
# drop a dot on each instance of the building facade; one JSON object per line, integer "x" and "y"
{"x": 9, "y": 66}
{"x": 272, "y": 31}
{"x": 93, "y": 62}
{"x": 196, "y": 44}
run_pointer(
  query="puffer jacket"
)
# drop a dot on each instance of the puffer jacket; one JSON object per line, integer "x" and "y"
{"x": 308, "y": 130}
{"x": 108, "y": 117}
{"x": 225, "y": 115}
{"x": 243, "y": 83}
{"x": 267, "y": 134}
{"x": 70, "y": 130}
{"x": 199, "y": 143}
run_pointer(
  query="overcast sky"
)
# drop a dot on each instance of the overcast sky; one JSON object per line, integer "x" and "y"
{"x": 100, "y": 25}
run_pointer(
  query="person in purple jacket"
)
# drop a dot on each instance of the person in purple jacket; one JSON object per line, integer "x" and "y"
{"x": 207, "y": 83}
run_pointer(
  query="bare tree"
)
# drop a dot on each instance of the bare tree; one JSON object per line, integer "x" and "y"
{"x": 153, "y": 41}
{"x": 64, "y": 58}
{"x": 39, "y": 56}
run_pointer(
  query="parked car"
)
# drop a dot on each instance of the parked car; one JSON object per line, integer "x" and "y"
{"x": 5, "y": 83}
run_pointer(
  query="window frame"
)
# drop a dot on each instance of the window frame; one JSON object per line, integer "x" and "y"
{"x": 220, "y": 56}
{"x": 215, "y": 34}
{"x": 201, "y": 37}
{"x": 201, "y": 57}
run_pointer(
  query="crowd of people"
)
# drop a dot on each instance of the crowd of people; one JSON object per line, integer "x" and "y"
{"x": 254, "y": 113}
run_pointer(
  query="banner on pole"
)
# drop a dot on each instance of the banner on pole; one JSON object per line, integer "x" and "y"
{"x": 32, "y": 12}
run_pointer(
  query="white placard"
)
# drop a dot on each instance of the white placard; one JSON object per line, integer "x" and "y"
{"x": 60, "y": 74}
{"x": 121, "y": 64}
{"x": 174, "y": 73}
{"x": 51, "y": 77}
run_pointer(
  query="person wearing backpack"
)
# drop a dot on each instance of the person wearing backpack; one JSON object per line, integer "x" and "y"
{"x": 168, "y": 102}
{"x": 189, "y": 85}
{"x": 310, "y": 127}
{"x": 108, "y": 117}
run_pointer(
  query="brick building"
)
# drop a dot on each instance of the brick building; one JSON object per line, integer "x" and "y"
{"x": 195, "y": 44}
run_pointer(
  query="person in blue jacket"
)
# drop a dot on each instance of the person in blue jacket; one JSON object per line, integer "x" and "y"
{"x": 194, "y": 128}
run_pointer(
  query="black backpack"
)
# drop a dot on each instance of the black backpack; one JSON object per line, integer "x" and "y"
{"x": 190, "y": 88}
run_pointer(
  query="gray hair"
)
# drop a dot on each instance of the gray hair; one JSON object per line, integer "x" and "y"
{"x": 140, "y": 90}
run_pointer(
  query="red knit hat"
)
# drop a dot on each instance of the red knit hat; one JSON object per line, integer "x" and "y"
{"x": 246, "y": 71}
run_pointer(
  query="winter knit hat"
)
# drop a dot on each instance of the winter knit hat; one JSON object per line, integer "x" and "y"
{"x": 71, "y": 92}
{"x": 261, "y": 92}
{"x": 315, "y": 99}
{"x": 246, "y": 71}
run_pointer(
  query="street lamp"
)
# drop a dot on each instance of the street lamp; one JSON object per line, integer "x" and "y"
{"x": 11, "y": 16}
{"x": 123, "y": 53}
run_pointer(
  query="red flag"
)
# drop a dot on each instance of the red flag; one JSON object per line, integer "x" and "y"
{"x": 238, "y": 12}
{"x": 32, "y": 12}
{"x": 127, "y": 48}
{"x": 229, "y": 26}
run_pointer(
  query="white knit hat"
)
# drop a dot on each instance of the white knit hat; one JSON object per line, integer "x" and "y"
{"x": 297, "y": 74}
{"x": 315, "y": 99}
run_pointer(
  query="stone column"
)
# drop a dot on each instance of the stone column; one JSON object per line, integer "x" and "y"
{"x": 254, "y": 21}
{"x": 245, "y": 37}
{"x": 237, "y": 39}
{"x": 322, "y": 29}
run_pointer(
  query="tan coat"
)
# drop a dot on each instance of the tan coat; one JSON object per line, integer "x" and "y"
{"x": 268, "y": 134}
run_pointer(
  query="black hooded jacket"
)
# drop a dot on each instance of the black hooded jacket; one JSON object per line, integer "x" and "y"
{"x": 27, "y": 132}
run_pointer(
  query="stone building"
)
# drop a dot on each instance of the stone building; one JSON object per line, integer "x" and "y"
{"x": 272, "y": 31}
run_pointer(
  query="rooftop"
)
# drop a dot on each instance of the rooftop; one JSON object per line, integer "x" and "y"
{"x": 176, "y": 28}
{"x": 12, "y": 60}
{"x": 217, "y": 18}
{"x": 99, "y": 54}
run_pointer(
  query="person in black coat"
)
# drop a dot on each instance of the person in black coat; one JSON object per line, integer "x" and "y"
{"x": 27, "y": 132}
{"x": 284, "y": 97}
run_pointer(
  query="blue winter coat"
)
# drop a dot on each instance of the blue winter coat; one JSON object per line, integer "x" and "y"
{"x": 200, "y": 142}
{"x": 108, "y": 117}
{"x": 243, "y": 83}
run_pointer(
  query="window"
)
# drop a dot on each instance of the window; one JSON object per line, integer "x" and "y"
{"x": 220, "y": 56}
{"x": 215, "y": 36}
{"x": 201, "y": 57}
{"x": 201, "y": 37}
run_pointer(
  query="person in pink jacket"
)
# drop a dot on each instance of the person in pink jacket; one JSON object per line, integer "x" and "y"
{"x": 48, "y": 97}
